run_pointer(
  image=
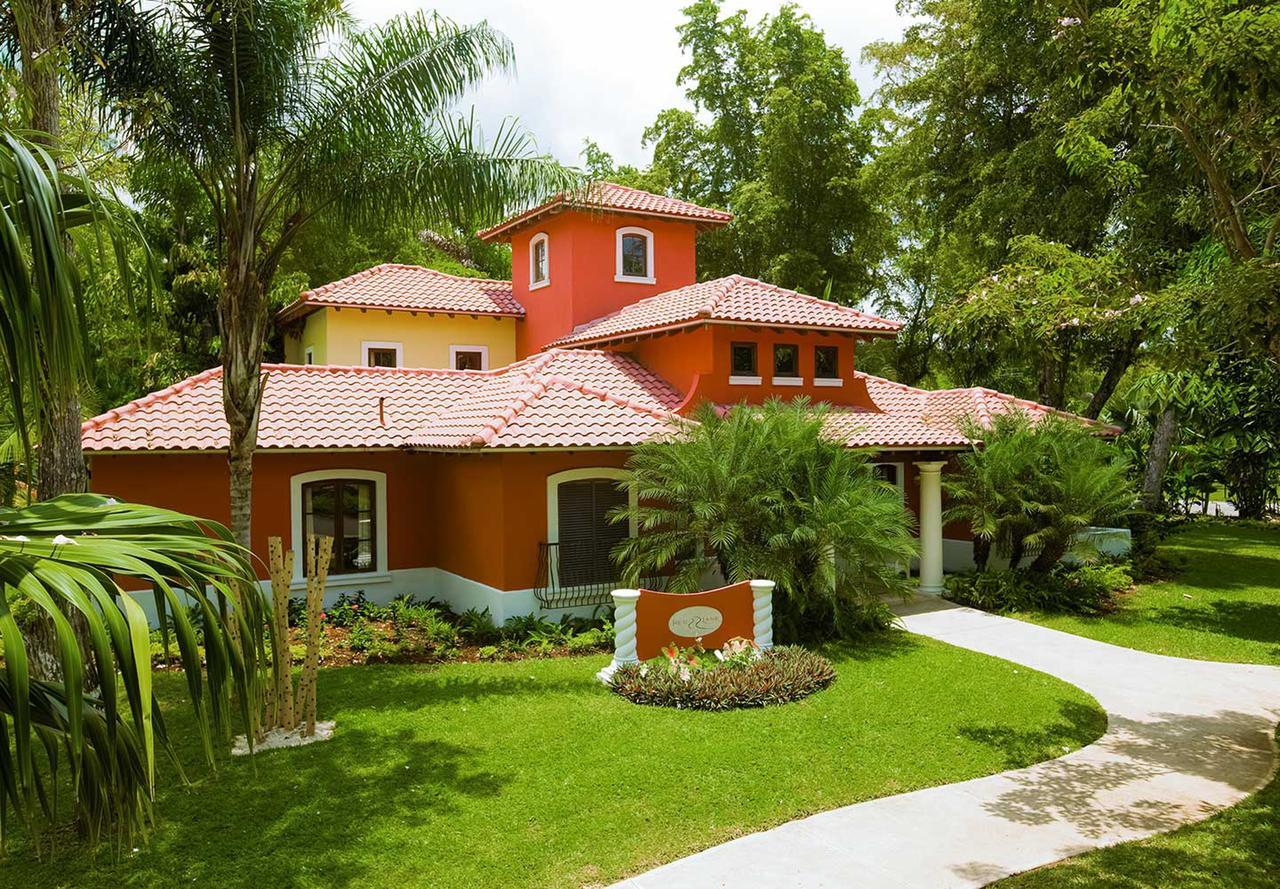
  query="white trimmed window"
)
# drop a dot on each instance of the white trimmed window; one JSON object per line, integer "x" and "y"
{"x": 381, "y": 354}
{"x": 469, "y": 357}
{"x": 309, "y": 355}
{"x": 578, "y": 505}
{"x": 539, "y": 261}
{"x": 634, "y": 255}
{"x": 349, "y": 505}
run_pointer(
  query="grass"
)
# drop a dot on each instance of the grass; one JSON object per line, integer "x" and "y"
{"x": 1225, "y": 605}
{"x": 1238, "y": 848}
{"x": 531, "y": 774}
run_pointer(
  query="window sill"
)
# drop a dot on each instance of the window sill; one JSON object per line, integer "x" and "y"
{"x": 745, "y": 381}
{"x": 540, "y": 285}
{"x": 835, "y": 382}
{"x": 344, "y": 581}
{"x": 626, "y": 279}
{"x": 787, "y": 381}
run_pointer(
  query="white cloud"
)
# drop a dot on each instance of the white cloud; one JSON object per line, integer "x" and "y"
{"x": 604, "y": 69}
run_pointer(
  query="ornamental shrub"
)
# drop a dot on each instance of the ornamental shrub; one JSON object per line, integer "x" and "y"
{"x": 763, "y": 492}
{"x": 1069, "y": 589}
{"x": 777, "y": 676}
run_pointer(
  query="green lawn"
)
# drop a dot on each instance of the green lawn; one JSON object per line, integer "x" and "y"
{"x": 1224, "y": 607}
{"x": 531, "y": 774}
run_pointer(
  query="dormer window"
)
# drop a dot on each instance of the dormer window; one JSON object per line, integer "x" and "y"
{"x": 635, "y": 255}
{"x": 539, "y": 263}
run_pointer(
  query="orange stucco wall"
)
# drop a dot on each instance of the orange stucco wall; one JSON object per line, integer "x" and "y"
{"x": 581, "y": 262}
{"x": 480, "y": 516}
{"x": 703, "y": 354}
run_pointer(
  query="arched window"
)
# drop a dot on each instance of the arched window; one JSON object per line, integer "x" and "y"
{"x": 578, "y": 505}
{"x": 349, "y": 505}
{"x": 539, "y": 261}
{"x": 634, "y": 255}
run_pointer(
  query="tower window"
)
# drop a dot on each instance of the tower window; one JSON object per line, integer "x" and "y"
{"x": 635, "y": 255}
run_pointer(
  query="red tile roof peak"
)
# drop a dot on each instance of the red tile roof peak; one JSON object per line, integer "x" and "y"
{"x": 395, "y": 286}
{"x": 611, "y": 197}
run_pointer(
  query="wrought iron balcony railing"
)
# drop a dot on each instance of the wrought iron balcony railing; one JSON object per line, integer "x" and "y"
{"x": 572, "y": 573}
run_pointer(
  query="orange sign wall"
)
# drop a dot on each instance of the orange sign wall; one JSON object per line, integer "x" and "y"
{"x": 715, "y": 616}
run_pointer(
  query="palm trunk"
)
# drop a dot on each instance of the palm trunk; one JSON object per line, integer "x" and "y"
{"x": 1052, "y": 553}
{"x": 1158, "y": 454}
{"x": 62, "y": 468}
{"x": 243, "y": 323}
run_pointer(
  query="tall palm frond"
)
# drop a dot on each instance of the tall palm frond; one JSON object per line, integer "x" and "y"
{"x": 68, "y": 552}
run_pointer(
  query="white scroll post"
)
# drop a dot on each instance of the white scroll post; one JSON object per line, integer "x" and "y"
{"x": 762, "y": 606}
{"x": 624, "y": 632}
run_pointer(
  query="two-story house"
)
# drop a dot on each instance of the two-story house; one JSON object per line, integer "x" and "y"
{"x": 462, "y": 438}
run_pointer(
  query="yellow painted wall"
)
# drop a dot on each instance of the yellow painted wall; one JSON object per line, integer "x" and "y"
{"x": 337, "y": 334}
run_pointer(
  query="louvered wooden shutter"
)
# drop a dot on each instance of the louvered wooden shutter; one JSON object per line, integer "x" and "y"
{"x": 587, "y": 537}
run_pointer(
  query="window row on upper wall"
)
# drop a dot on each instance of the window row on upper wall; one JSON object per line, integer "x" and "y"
{"x": 378, "y": 354}
{"x": 744, "y": 364}
{"x": 633, "y": 261}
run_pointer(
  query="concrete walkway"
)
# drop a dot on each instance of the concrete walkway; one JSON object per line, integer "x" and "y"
{"x": 1184, "y": 739}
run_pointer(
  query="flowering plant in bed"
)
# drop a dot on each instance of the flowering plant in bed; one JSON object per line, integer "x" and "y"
{"x": 737, "y": 675}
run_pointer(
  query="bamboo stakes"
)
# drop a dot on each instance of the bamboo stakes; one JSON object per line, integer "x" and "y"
{"x": 320, "y": 550}
{"x": 286, "y": 709}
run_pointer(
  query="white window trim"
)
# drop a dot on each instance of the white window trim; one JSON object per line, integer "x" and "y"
{"x": 379, "y": 479}
{"x": 617, "y": 268}
{"x": 745, "y": 381}
{"x": 555, "y": 480}
{"x": 375, "y": 344}
{"x": 309, "y": 355}
{"x": 787, "y": 381}
{"x": 828, "y": 381}
{"x": 543, "y": 238}
{"x": 483, "y": 350}
{"x": 902, "y": 476}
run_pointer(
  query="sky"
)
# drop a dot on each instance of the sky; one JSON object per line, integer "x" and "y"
{"x": 603, "y": 69}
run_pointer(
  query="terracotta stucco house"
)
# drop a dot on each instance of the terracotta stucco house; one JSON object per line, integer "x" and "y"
{"x": 463, "y": 438}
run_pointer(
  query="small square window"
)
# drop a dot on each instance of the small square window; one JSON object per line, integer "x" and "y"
{"x": 786, "y": 360}
{"x": 382, "y": 358}
{"x": 468, "y": 360}
{"x": 886, "y": 472}
{"x": 309, "y": 357}
{"x": 743, "y": 362}
{"x": 826, "y": 362}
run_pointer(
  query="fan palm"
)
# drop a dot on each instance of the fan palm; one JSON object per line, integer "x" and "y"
{"x": 283, "y": 111}
{"x": 60, "y": 558}
{"x": 761, "y": 493}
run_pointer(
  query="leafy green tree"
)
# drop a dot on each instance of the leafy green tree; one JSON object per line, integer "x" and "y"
{"x": 59, "y": 560}
{"x": 281, "y": 111}
{"x": 1202, "y": 73}
{"x": 761, "y": 493}
{"x": 774, "y": 135}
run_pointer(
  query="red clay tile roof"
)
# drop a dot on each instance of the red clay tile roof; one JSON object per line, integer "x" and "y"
{"x": 610, "y": 196}
{"x": 910, "y": 417}
{"x": 409, "y": 288}
{"x": 570, "y": 399}
{"x": 735, "y": 299}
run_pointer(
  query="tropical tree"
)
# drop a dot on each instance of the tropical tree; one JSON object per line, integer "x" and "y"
{"x": 283, "y": 112}
{"x": 762, "y": 493}
{"x": 1032, "y": 487}
{"x": 61, "y": 558}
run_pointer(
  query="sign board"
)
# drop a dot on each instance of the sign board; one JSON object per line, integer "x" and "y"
{"x": 714, "y": 616}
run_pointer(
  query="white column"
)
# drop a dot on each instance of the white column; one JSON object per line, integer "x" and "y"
{"x": 762, "y": 602}
{"x": 624, "y": 632}
{"x": 931, "y": 526}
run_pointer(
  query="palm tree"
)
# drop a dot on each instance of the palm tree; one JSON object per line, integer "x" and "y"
{"x": 283, "y": 111}
{"x": 62, "y": 556}
{"x": 762, "y": 493}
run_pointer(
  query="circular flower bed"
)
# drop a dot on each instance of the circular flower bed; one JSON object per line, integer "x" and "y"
{"x": 738, "y": 675}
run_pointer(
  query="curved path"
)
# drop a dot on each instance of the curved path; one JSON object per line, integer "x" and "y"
{"x": 1184, "y": 739}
